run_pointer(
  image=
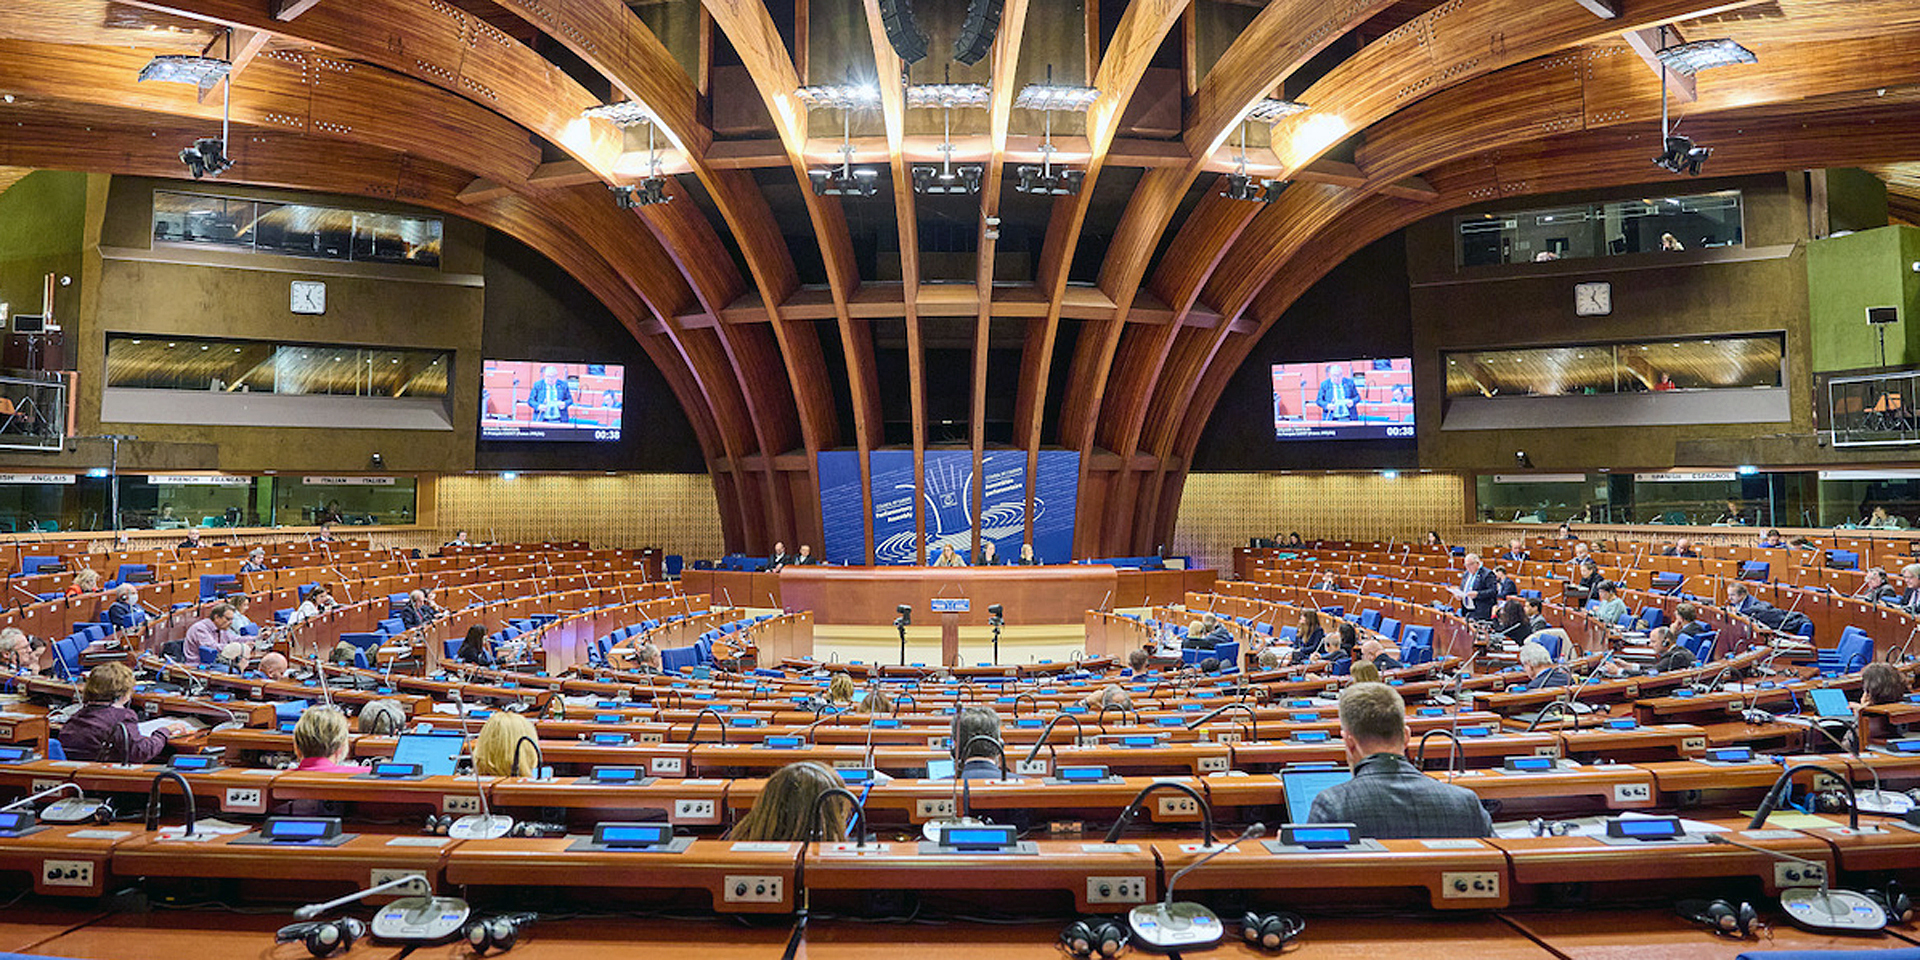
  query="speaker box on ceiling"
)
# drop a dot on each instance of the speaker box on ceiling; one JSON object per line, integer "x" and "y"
{"x": 905, "y": 34}
{"x": 976, "y": 35}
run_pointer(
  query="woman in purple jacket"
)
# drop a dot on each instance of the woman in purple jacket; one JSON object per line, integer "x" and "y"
{"x": 90, "y": 734}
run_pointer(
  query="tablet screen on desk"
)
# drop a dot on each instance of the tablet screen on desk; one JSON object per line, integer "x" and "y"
{"x": 1301, "y": 786}
{"x": 1829, "y": 702}
{"x": 434, "y": 752}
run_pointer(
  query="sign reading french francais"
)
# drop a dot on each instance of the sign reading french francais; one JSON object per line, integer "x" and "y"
{"x": 195, "y": 480}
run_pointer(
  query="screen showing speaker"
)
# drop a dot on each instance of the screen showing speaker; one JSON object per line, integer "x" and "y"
{"x": 539, "y": 400}
{"x": 1368, "y": 399}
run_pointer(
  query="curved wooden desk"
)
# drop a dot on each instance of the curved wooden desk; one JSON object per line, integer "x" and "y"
{"x": 867, "y": 596}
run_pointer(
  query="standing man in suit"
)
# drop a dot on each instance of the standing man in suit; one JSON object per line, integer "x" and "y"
{"x": 1476, "y": 591}
{"x": 550, "y": 396}
{"x": 1339, "y": 398}
{"x": 1388, "y": 797}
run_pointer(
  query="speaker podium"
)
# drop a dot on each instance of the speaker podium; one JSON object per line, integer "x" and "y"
{"x": 950, "y": 609}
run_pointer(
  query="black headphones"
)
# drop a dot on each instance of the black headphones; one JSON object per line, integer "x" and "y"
{"x": 1094, "y": 937}
{"x": 1272, "y": 931}
{"x": 497, "y": 933}
{"x": 324, "y": 937}
{"x": 1721, "y": 916}
{"x": 1894, "y": 899}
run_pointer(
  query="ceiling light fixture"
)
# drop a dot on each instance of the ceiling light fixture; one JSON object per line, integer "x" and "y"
{"x": 207, "y": 156}
{"x": 844, "y": 180}
{"x": 1687, "y": 59}
{"x": 1047, "y": 97}
{"x": 202, "y": 72}
{"x": 621, "y": 113}
{"x": 946, "y": 178}
{"x": 1242, "y": 185}
{"x": 651, "y": 190}
{"x": 1270, "y": 110}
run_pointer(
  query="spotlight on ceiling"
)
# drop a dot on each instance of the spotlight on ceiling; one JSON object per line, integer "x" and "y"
{"x": 1048, "y": 179}
{"x": 947, "y": 178}
{"x": 1688, "y": 59}
{"x": 948, "y": 96}
{"x": 649, "y": 192}
{"x": 206, "y": 158}
{"x": 1241, "y": 186}
{"x": 1681, "y": 156}
{"x": 1051, "y": 96}
{"x": 845, "y": 181}
{"x": 201, "y": 72}
{"x": 843, "y": 96}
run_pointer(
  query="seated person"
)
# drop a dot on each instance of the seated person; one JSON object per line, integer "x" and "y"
{"x": 1668, "y": 654}
{"x": 1510, "y": 622}
{"x": 192, "y": 540}
{"x": 1209, "y": 634}
{"x": 780, "y": 557}
{"x": 17, "y": 652}
{"x": 1537, "y": 615}
{"x": 1376, "y": 652}
{"x": 240, "y": 602}
{"x": 1311, "y": 633}
{"x": 474, "y": 648}
{"x": 105, "y": 729}
{"x": 875, "y": 702}
{"x": 1026, "y": 557}
{"x": 1516, "y": 551}
{"x": 646, "y": 658}
{"x": 274, "y": 665}
{"x": 1338, "y": 645}
{"x": 417, "y": 610}
{"x": 1210, "y": 665}
{"x": 125, "y": 611}
{"x": 320, "y": 741}
{"x": 1503, "y": 584}
{"x": 1681, "y": 548}
{"x": 1365, "y": 672}
{"x": 318, "y": 601}
{"x": 325, "y": 535}
{"x": 840, "y": 689}
{"x": 1772, "y": 539}
{"x": 1877, "y": 587}
{"x": 1388, "y": 797}
{"x": 211, "y": 634}
{"x": 1880, "y": 683}
{"x": 499, "y": 749}
{"x": 806, "y": 557}
{"x": 948, "y": 558}
{"x": 976, "y": 743}
{"x": 233, "y": 656}
{"x": 989, "y": 555}
{"x": 789, "y": 810}
{"x": 1111, "y": 696}
{"x": 86, "y": 581}
{"x": 1740, "y": 601}
{"x": 1137, "y": 660}
{"x": 1541, "y": 671}
{"x": 1686, "y": 620}
{"x": 1611, "y": 607}
{"x": 256, "y": 561}
{"x": 1588, "y": 577}
{"x": 1273, "y": 658}
{"x": 382, "y": 718}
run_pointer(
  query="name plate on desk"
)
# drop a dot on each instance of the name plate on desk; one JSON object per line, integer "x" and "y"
{"x": 950, "y": 605}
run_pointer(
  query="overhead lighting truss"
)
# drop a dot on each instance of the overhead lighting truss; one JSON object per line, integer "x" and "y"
{"x": 202, "y": 72}
{"x": 1052, "y": 96}
{"x": 844, "y": 180}
{"x": 947, "y": 177}
{"x": 1046, "y": 178}
{"x": 621, "y": 113}
{"x": 1681, "y": 156}
{"x": 841, "y": 96}
{"x": 948, "y": 96}
{"x": 1687, "y": 59}
{"x": 1242, "y": 185}
{"x": 1270, "y": 110}
{"x": 652, "y": 189}
{"x": 206, "y": 156}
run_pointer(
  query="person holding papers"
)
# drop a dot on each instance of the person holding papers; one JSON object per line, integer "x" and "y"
{"x": 1477, "y": 590}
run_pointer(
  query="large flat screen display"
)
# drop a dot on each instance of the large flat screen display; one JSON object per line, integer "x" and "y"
{"x": 1343, "y": 400}
{"x": 537, "y": 400}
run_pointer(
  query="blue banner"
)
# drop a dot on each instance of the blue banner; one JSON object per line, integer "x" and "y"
{"x": 893, "y": 507}
{"x": 843, "y": 511}
{"x": 1056, "y": 488}
{"x": 948, "y": 501}
{"x": 1003, "y": 501}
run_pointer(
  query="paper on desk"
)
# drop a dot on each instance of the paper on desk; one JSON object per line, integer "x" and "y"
{"x": 218, "y": 828}
{"x": 1794, "y": 820}
{"x": 1597, "y": 826}
{"x": 149, "y": 727}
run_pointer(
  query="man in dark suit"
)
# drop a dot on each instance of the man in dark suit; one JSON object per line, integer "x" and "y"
{"x": 1339, "y": 398}
{"x": 1211, "y": 634}
{"x": 1687, "y": 620}
{"x": 780, "y": 556}
{"x": 1477, "y": 590}
{"x": 1516, "y": 551}
{"x": 806, "y": 557}
{"x": 549, "y": 397}
{"x": 1388, "y": 797}
{"x": 1537, "y": 615}
{"x": 1542, "y": 672}
{"x": 125, "y": 611}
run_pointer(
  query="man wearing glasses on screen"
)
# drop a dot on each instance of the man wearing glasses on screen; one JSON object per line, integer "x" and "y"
{"x": 549, "y": 397}
{"x": 1339, "y": 398}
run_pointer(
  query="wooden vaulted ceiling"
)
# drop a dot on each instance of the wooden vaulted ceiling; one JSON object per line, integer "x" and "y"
{"x": 473, "y": 107}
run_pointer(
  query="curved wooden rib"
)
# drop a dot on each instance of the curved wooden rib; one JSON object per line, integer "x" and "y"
{"x": 750, "y": 29}
{"x": 1004, "y": 60}
{"x": 1141, "y": 31}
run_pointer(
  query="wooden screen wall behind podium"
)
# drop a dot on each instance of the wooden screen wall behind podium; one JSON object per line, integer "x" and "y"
{"x": 1219, "y": 511}
{"x": 674, "y": 511}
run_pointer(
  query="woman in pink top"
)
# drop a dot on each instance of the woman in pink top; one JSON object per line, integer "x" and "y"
{"x": 320, "y": 741}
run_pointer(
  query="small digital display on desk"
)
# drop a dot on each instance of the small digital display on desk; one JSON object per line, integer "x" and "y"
{"x": 1909, "y": 745}
{"x": 1083, "y": 774}
{"x": 1318, "y": 835}
{"x": 615, "y": 704}
{"x": 222, "y": 697}
{"x": 298, "y": 829}
{"x": 15, "y": 754}
{"x": 1431, "y": 712}
{"x": 1623, "y": 723}
{"x": 743, "y": 721}
{"x": 784, "y": 743}
{"x": 1476, "y": 731}
{"x": 978, "y": 838}
{"x": 395, "y": 771}
{"x": 1730, "y": 754}
{"x": 609, "y": 739}
{"x": 286, "y": 726}
{"x": 1529, "y": 764}
{"x": 1139, "y": 741}
{"x": 14, "y": 821}
{"x": 1171, "y": 722}
{"x": 615, "y": 774}
{"x": 190, "y": 762}
{"x": 1305, "y": 718}
{"x": 632, "y": 834}
{"x": 607, "y": 718}
{"x": 855, "y": 776}
{"x": 1299, "y": 703}
{"x": 887, "y": 724}
{"x": 1645, "y": 828}
{"x": 1310, "y": 736}
{"x": 1028, "y": 723}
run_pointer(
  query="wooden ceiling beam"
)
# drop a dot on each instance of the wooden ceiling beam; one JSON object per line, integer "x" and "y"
{"x": 286, "y": 11}
{"x": 1004, "y": 61}
{"x": 1648, "y": 43}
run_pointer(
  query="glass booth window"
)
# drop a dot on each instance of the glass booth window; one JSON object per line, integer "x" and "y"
{"x": 352, "y": 501}
{"x": 1700, "y": 363}
{"x": 259, "y": 366}
{"x": 1613, "y": 228}
{"x": 296, "y": 229}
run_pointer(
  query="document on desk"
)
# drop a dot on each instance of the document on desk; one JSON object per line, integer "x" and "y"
{"x": 149, "y": 727}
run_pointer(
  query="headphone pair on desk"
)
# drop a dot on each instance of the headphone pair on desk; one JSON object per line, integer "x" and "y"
{"x": 1741, "y": 920}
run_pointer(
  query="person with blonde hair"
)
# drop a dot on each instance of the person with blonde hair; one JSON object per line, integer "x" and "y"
{"x": 320, "y": 741}
{"x": 85, "y": 581}
{"x": 105, "y": 729}
{"x": 1364, "y": 671}
{"x": 498, "y": 750}
{"x": 840, "y": 689}
{"x": 875, "y": 702}
{"x": 786, "y": 809}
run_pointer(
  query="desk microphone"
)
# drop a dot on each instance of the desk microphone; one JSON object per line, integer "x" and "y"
{"x": 485, "y": 825}
{"x": 1821, "y": 907}
{"x": 1169, "y": 926}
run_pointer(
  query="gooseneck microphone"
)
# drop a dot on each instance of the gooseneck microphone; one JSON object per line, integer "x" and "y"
{"x": 1169, "y": 926}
